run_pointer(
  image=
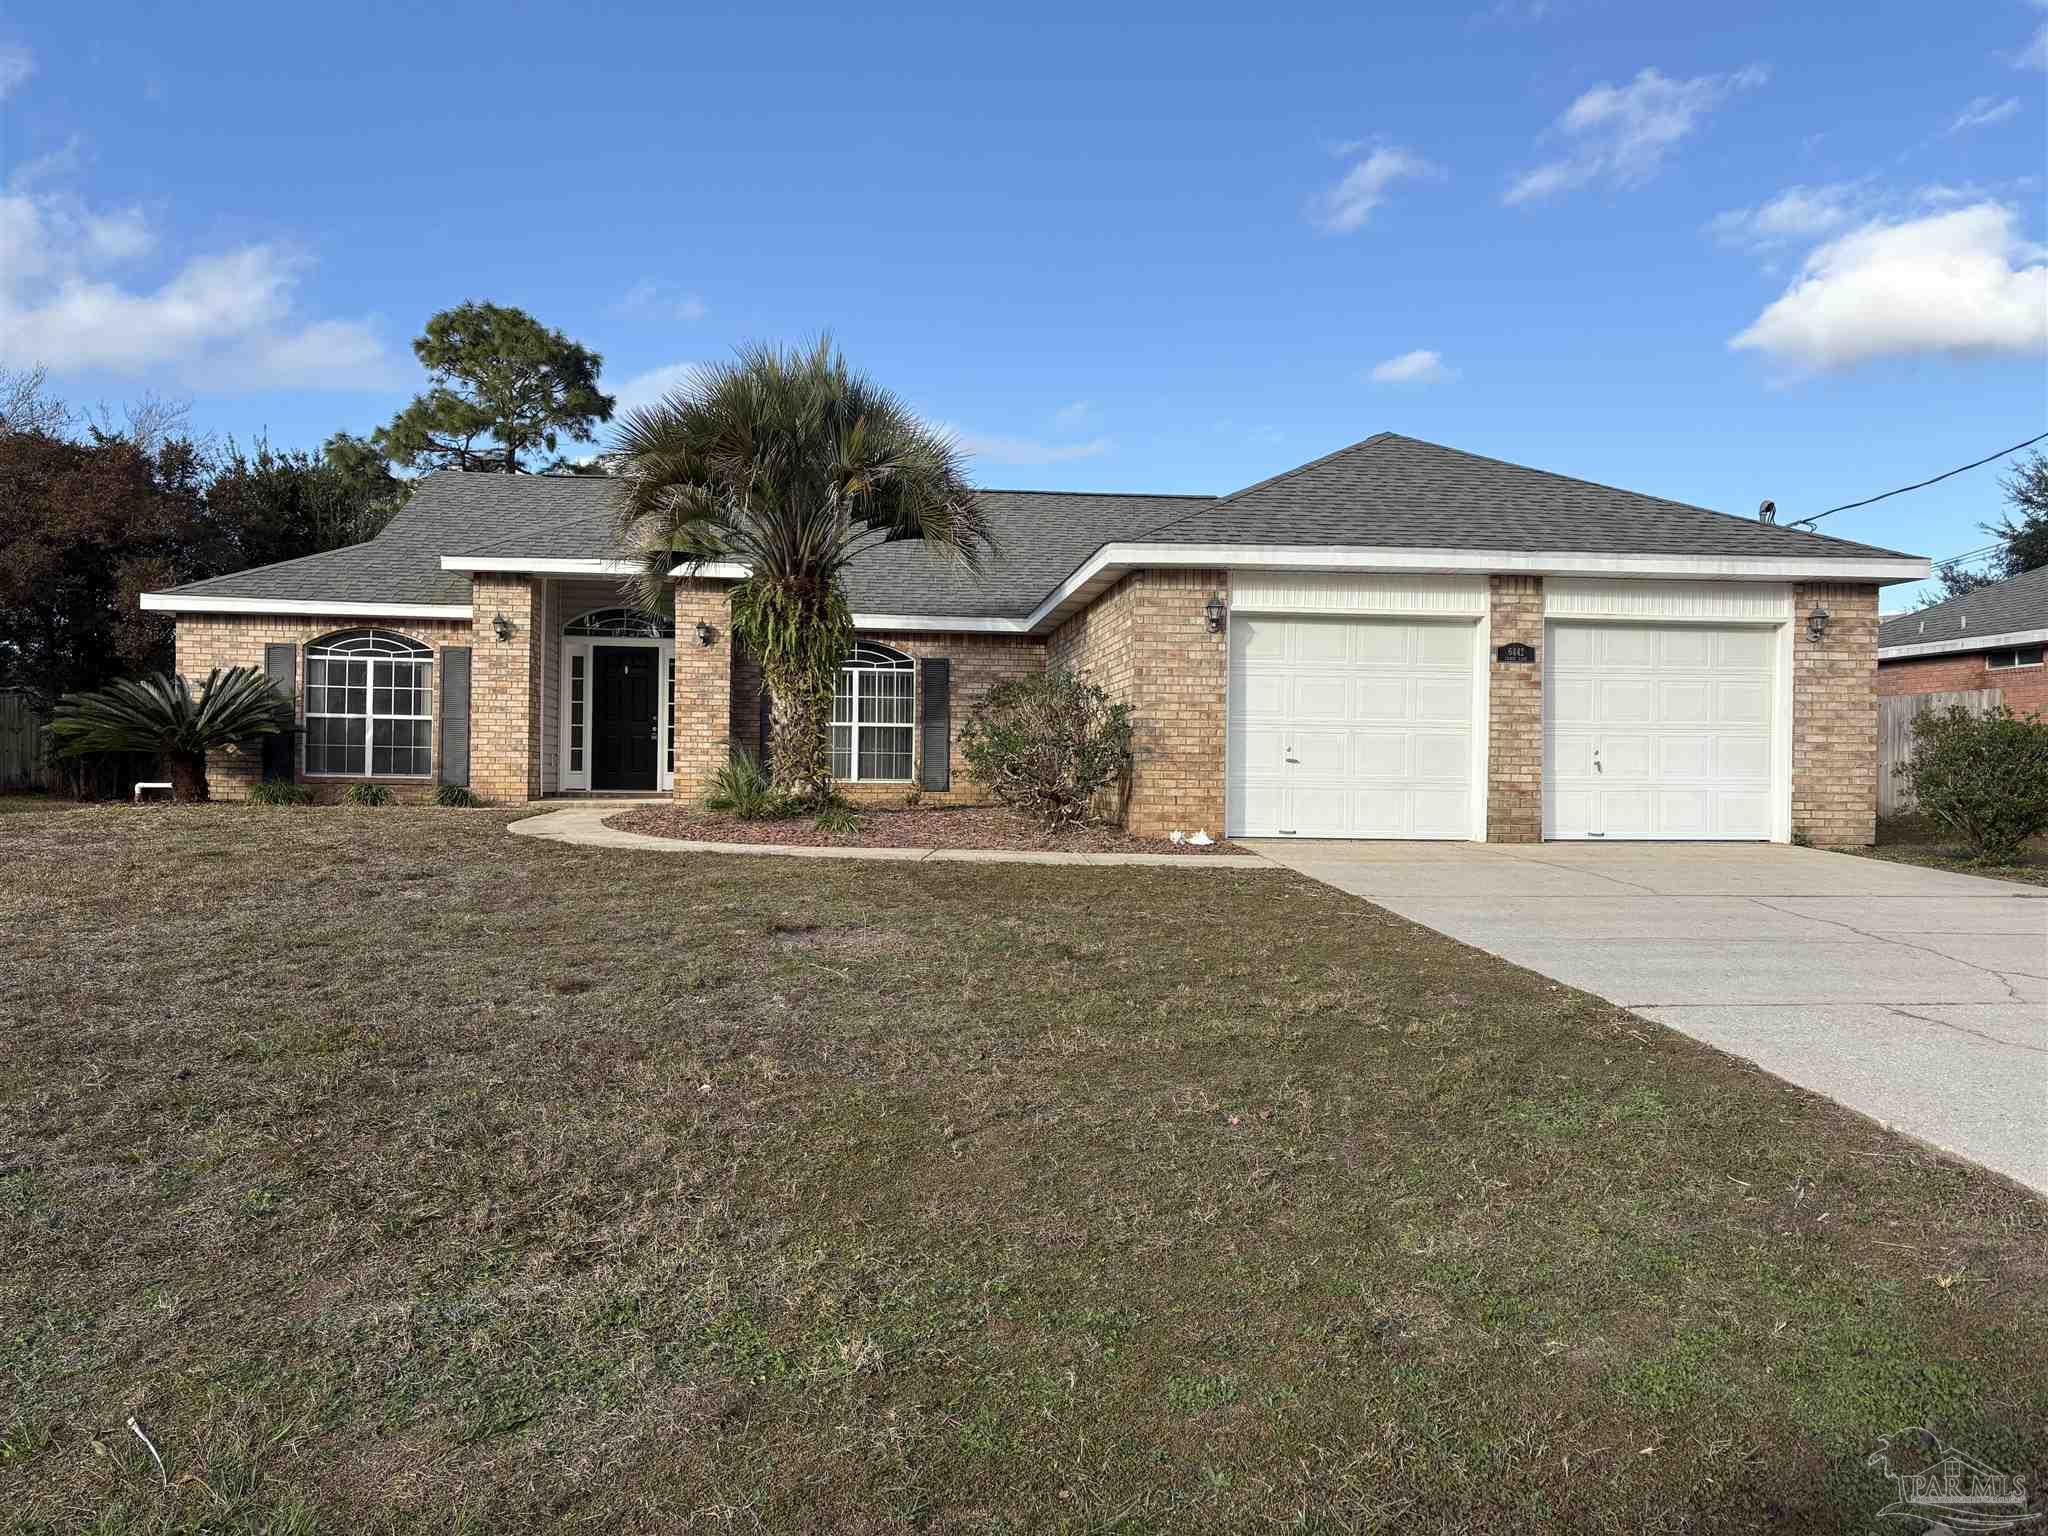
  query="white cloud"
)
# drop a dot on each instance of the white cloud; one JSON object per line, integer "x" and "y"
{"x": 1961, "y": 282}
{"x": 219, "y": 323}
{"x": 648, "y": 297}
{"x": 1418, "y": 367}
{"x": 2034, "y": 53}
{"x": 651, "y": 387}
{"x": 1072, "y": 418}
{"x": 16, "y": 65}
{"x": 1346, "y": 206}
{"x": 1983, "y": 112}
{"x": 1795, "y": 214}
{"x": 1622, "y": 133}
{"x": 992, "y": 448}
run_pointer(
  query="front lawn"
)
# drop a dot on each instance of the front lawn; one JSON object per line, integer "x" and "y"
{"x": 937, "y": 826}
{"x": 394, "y": 1173}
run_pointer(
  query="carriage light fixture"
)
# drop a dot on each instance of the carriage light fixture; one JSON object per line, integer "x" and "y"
{"x": 502, "y": 627}
{"x": 1817, "y": 624}
{"x": 1213, "y": 609}
{"x": 704, "y": 633}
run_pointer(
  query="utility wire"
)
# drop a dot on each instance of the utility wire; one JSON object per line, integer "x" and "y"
{"x": 1808, "y": 522}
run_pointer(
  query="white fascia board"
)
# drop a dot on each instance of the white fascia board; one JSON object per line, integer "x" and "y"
{"x": 711, "y": 570}
{"x": 924, "y": 622}
{"x": 520, "y": 564}
{"x": 1113, "y": 560}
{"x": 1998, "y": 642}
{"x": 177, "y": 602}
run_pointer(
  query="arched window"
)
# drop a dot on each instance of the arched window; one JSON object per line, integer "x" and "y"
{"x": 369, "y": 711}
{"x": 874, "y": 714}
{"x": 621, "y": 624}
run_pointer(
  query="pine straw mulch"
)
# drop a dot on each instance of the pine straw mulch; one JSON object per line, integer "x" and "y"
{"x": 948, "y": 826}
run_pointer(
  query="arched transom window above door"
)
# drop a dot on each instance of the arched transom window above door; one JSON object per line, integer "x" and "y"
{"x": 621, "y": 624}
{"x": 874, "y": 717}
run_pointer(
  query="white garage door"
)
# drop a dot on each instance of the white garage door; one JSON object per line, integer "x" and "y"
{"x": 1658, "y": 731}
{"x": 1350, "y": 728}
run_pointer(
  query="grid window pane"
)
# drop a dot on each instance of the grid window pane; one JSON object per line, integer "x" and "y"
{"x": 369, "y": 709}
{"x": 874, "y": 714}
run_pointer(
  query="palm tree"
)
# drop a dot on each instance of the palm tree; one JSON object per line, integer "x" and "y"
{"x": 791, "y": 464}
{"x": 158, "y": 714}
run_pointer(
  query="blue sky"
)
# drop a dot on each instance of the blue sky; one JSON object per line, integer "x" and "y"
{"x": 1713, "y": 254}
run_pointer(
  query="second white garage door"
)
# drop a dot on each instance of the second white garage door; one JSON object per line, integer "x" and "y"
{"x": 1350, "y": 728}
{"x": 1659, "y": 731}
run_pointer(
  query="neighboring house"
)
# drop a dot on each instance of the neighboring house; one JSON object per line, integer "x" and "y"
{"x": 1396, "y": 641}
{"x": 1990, "y": 638}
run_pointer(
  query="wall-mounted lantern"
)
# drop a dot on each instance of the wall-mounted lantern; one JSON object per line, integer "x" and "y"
{"x": 705, "y": 634}
{"x": 501, "y": 627}
{"x": 1213, "y": 611}
{"x": 1817, "y": 624}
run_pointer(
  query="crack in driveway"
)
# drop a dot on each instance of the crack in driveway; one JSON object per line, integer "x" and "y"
{"x": 2003, "y": 978}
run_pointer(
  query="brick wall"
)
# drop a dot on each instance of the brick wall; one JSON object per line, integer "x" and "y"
{"x": 1514, "y": 712}
{"x": 2025, "y": 688}
{"x": 505, "y": 690}
{"x": 1147, "y": 643}
{"x": 703, "y": 704}
{"x": 1834, "y": 716}
{"x": 209, "y": 640}
{"x": 979, "y": 662}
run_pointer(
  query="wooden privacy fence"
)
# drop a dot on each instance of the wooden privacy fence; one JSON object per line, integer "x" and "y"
{"x": 1895, "y": 737}
{"x": 23, "y": 764}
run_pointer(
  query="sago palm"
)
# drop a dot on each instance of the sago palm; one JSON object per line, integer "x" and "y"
{"x": 790, "y": 464}
{"x": 159, "y": 714}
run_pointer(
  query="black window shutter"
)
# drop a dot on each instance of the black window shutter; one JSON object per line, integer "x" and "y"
{"x": 454, "y": 714}
{"x": 935, "y": 722}
{"x": 281, "y": 666}
{"x": 765, "y": 714}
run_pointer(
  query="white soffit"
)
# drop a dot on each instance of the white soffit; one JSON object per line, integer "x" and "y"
{"x": 1669, "y": 602}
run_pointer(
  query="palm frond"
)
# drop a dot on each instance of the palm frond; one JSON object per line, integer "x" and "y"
{"x": 159, "y": 713}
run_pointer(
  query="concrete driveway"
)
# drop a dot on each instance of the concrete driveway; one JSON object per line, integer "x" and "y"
{"x": 1915, "y": 996}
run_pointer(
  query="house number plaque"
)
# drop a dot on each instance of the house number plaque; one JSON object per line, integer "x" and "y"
{"x": 1516, "y": 651}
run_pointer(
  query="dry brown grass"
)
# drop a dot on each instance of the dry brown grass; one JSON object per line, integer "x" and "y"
{"x": 397, "y": 1174}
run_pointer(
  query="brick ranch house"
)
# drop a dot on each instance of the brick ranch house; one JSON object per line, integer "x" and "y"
{"x": 1990, "y": 638}
{"x": 1396, "y": 641}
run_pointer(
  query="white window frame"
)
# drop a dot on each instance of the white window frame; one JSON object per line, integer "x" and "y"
{"x": 381, "y": 650}
{"x": 869, "y": 661}
{"x": 577, "y": 650}
{"x": 2014, "y": 651}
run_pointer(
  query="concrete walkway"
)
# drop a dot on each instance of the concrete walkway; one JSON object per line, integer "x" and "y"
{"x": 583, "y": 825}
{"x": 1915, "y": 996}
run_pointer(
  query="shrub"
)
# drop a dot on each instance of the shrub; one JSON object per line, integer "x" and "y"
{"x": 1047, "y": 745}
{"x": 367, "y": 794}
{"x": 1983, "y": 777}
{"x": 743, "y": 787}
{"x": 458, "y": 797}
{"x": 279, "y": 792}
{"x": 838, "y": 819}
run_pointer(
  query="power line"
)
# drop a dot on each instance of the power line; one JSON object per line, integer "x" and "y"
{"x": 1918, "y": 485}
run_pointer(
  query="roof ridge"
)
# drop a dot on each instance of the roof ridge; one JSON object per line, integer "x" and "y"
{"x": 1622, "y": 490}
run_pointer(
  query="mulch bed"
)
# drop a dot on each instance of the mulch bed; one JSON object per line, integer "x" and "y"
{"x": 951, "y": 826}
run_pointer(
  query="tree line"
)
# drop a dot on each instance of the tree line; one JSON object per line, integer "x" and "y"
{"x": 95, "y": 509}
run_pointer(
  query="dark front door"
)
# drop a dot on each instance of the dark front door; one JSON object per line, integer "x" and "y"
{"x": 625, "y": 716}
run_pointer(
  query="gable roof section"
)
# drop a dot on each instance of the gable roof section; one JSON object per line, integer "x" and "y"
{"x": 2014, "y": 610}
{"x": 1387, "y": 493}
{"x": 1399, "y": 492}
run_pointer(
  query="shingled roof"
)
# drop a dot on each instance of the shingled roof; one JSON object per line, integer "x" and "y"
{"x": 1387, "y": 492}
{"x": 1399, "y": 492}
{"x": 2014, "y": 606}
